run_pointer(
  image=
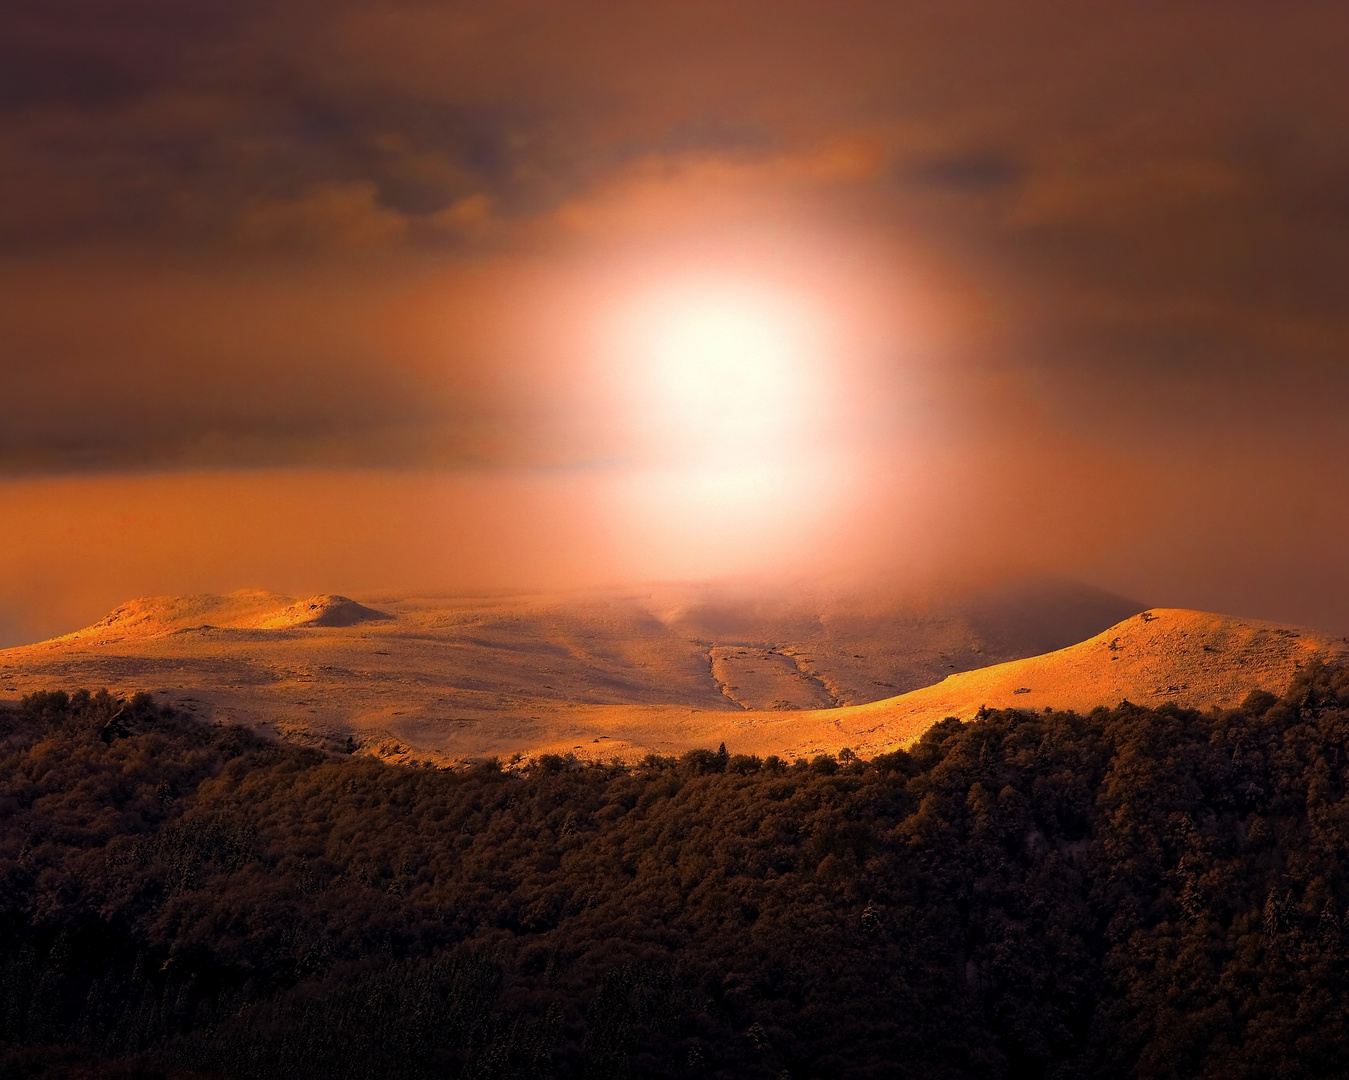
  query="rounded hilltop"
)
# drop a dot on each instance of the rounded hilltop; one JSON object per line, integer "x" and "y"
{"x": 1194, "y": 659}
{"x": 246, "y": 609}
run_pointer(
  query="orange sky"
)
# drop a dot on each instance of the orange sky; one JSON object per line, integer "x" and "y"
{"x": 356, "y": 296}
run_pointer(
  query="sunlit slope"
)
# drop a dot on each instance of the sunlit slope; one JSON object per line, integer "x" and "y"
{"x": 467, "y": 676}
{"x": 260, "y": 657}
{"x": 1192, "y": 658}
{"x": 247, "y": 609}
{"x": 620, "y": 675}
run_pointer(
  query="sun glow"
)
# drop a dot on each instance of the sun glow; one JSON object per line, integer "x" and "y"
{"x": 732, "y": 401}
{"x": 720, "y": 366}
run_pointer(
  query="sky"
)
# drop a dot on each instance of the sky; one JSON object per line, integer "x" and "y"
{"x": 353, "y": 296}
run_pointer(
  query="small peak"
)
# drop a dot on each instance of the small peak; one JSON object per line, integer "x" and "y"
{"x": 321, "y": 610}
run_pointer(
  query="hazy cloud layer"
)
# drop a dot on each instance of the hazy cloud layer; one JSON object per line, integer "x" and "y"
{"x": 1088, "y": 262}
{"x": 1148, "y": 201}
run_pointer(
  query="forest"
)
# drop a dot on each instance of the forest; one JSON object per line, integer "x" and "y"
{"x": 1137, "y": 892}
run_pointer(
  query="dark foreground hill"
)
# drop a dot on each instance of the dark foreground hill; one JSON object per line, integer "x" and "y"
{"x": 1134, "y": 892}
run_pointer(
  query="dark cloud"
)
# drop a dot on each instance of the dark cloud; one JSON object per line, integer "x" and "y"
{"x": 966, "y": 172}
{"x": 90, "y": 55}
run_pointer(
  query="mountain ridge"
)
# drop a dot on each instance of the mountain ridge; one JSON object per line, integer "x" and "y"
{"x": 244, "y": 609}
{"x": 634, "y": 673}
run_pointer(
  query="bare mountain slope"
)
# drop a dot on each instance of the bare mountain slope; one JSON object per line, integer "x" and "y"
{"x": 248, "y": 609}
{"x": 660, "y": 671}
{"x": 1193, "y": 658}
{"x": 478, "y": 674}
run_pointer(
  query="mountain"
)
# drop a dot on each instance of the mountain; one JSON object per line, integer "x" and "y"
{"x": 467, "y": 676}
{"x": 247, "y": 609}
{"x": 1193, "y": 659}
{"x": 656, "y": 670}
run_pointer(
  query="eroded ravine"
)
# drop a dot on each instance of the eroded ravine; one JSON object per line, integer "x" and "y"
{"x": 766, "y": 678}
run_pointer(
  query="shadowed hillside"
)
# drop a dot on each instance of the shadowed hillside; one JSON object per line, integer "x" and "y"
{"x": 1134, "y": 892}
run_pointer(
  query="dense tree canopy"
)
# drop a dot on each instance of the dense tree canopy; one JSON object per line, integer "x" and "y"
{"x": 1137, "y": 892}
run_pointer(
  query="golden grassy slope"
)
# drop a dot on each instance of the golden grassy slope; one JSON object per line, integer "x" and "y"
{"x": 1192, "y": 658}
{"x": 626, "y": 675}
{"x": 247, "y": 609}
{"x": 472, "y": 675}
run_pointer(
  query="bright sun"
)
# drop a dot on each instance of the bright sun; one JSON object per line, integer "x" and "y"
{"x": 719, "y": 366}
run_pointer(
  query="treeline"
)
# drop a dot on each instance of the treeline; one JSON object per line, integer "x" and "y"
{"x": 1135, "y": 892}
